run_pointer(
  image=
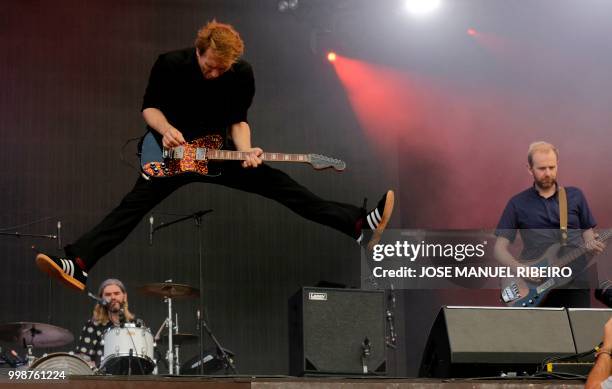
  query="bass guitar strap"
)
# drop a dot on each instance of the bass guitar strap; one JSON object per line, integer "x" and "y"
{"x": 563, "y": 215}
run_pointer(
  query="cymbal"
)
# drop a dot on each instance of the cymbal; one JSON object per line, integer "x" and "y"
{"x": 35, "y": 334}
{"x": 180, "y": 338}
{"x": 169, "y": 289}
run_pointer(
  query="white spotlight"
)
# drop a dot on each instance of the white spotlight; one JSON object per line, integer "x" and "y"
{"x": 421, "y": 7}
{"x": 287, "y": 5}
{"x": 293, "y": 4}
{"x": 283, "y": 6}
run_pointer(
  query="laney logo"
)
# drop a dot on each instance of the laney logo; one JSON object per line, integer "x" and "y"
{"x": 318, "y": 296}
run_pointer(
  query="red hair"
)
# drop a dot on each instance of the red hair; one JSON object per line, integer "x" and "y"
{"x": 223, "y": 39}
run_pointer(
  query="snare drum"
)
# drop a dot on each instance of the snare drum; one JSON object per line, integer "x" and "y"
{"x": 62, "y": 362}
{"x": 128, "y": 350}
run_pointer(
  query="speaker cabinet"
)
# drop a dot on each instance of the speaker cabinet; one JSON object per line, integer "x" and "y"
{"x": 332, "y": 330}
{"x": 486, "y": 341}
{"x": 587, "y": 327}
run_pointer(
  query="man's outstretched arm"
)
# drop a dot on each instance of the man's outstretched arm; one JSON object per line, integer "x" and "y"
{"x": 241, "y": 135}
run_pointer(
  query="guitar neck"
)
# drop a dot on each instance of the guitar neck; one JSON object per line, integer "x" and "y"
{"x": 242, "y": 155}
{"x": 581, "y": 250}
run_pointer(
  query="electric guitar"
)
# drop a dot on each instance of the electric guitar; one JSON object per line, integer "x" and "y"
{"x": 194, "y": 156}
{"x": 517, "y": 292}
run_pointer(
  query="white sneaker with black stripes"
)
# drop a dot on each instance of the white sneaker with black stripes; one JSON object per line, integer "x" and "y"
{"x": 375, "y": 221}
{"x": 66, "y": 270}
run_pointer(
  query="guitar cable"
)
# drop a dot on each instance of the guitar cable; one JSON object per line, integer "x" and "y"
{"x": 122, "y": 154}
{"x": 572, "y": 357}
{"x": 541, "y": 376}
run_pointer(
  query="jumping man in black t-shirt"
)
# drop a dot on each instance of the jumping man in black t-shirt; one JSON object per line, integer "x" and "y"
{"x": 192, "y": 93}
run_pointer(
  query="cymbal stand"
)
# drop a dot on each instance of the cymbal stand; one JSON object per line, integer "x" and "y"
{"x": 156, "y": 339}
{"x": 30, "y": 356}
{"x": 170, "y": 354}
{"x": 177, "y": 347}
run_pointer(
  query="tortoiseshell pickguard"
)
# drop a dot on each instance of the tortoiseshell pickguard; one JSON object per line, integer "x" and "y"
{"x": 171, "y": 167}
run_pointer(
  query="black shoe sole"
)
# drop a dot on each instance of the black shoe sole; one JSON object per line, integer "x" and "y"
{"x": 47, "y": 265}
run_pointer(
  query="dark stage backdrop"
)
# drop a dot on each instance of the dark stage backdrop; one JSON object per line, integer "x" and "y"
{"x": 72, "y": 75}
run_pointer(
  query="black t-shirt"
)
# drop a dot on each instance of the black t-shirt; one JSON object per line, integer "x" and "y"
{"x": 194, "y": 105}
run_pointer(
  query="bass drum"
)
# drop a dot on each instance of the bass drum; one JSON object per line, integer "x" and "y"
{"x": 128, "y": 350}
{"x": 62, "y": 362}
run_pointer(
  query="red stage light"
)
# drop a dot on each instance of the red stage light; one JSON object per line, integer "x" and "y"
{"x": 471, "y": 32}
{"x": 331, "y": 56}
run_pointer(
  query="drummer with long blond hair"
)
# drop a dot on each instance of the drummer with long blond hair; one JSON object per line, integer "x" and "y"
{"x": 113, "y": 310}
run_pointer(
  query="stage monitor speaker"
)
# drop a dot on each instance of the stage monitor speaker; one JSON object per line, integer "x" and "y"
{"x": 587, "y": 327}
{"x": 488, "y": 341}
{"x": 337, "y": 332}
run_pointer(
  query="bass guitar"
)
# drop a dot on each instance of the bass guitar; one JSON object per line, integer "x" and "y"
{"x": 518, "y": 292}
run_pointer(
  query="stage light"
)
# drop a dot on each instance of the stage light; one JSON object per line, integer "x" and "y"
{"x": 287, "y": 5}
{"x": 421, "y": 7}
{"x": 471, "y": 32}
{"x": 283, "y": 6}
{"x": 331, "y": 56}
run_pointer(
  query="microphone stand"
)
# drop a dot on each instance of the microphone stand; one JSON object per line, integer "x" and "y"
{"x": 58, "y": 237}
{"x": 19, "y": 235}
{"x": 197, "y": 217}
{"x": 227, "y": 361}
{"x": 391, "y": 339}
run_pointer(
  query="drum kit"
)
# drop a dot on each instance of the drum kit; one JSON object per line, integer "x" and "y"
{"x": 128, "y": 349}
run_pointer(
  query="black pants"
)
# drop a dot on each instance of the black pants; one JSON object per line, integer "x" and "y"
{"x": 264, "y": 180}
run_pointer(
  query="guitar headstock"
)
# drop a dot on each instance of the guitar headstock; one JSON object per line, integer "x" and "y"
{"x": 322, "y": 162}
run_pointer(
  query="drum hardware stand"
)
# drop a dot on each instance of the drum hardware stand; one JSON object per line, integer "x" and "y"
{"x": 172, "y": 355}
{"x": 157, "y": 352}
{"x": 197, "y": 216}
{"x": 169, "y": 353}
{"x": 29, "y": 354}
{"x": 177, "y": 346}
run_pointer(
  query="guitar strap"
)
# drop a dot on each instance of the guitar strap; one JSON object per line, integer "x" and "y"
{"x": 563, "y": 215}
